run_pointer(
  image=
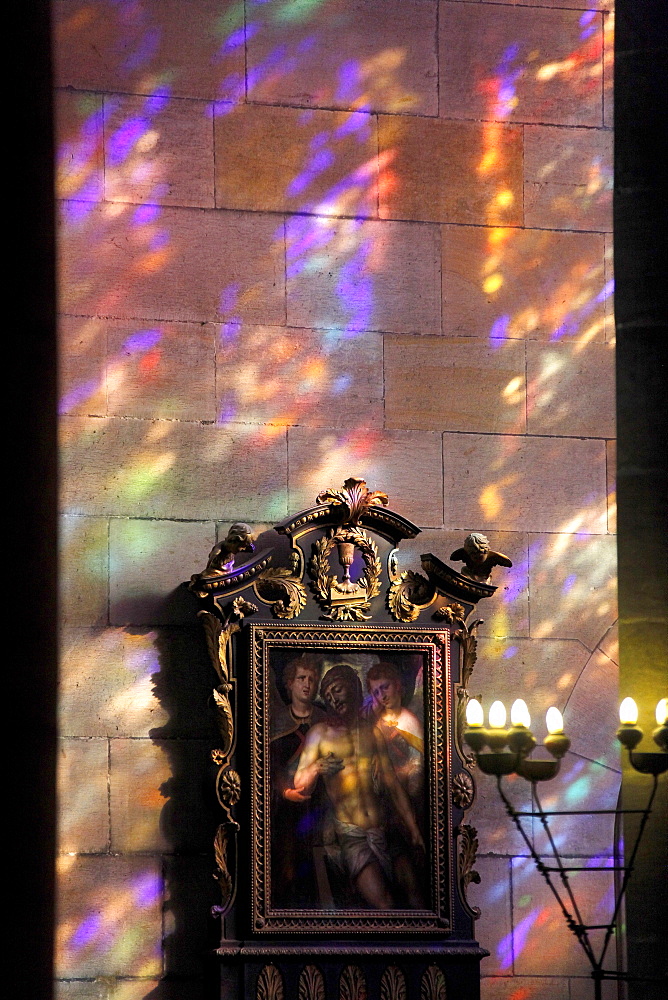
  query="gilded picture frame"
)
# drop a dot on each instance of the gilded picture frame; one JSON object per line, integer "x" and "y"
{"x": 351, "y": 757}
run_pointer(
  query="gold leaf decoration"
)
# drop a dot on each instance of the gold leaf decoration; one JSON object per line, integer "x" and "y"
{"x": 451, "y": 613}
{"x": 408, "y": 595}
{"x": 468, "y": 852}
{"x": 352, "y": 985}
{"x": 432, "y": 986}
{"x": 270, "y": 984}
{"x": 223, "y": 875}
{"x": 393, "y": 984}
{"x": 311, "y": 984}
{"x": 283, "y": 590}
{"x": 224, "y": 716}
{"x": 352, "y": 606}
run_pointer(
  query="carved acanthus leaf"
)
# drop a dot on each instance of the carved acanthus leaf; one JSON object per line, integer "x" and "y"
{"x": 270, "y": 984}
{"x": 451, "y": 613}
{"x": 311, "y": 984}
{"x": 223, "y": 874}
{"x": 224, "y": 716}
{"x": 393, "y": 984}
{"x": 432, "y": 986}
{"x": 409, "y": 594}
{"x": 355, "y": 496}
{"x": 468, "y": 852}
{"x": 285, "y": 591}
{"x": 352, "y": 985}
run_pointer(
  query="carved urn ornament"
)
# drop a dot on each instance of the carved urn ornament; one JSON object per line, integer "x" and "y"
{"x": 340, "y": 681}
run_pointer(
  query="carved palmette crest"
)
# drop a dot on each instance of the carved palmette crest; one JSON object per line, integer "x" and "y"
{"x": 352, "y": 985}
{"x": 432, "y": 986}
{"x": 408, "y": 595}
{"x": 311, "y": 984}
{"x": 345, "y": 601}
{"x": 270, "y": 984}
{"x": 393, "y": 984}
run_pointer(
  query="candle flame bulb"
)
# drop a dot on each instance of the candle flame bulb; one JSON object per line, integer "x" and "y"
{"x": 497, "y": 715}
{"x": 554, "y": 721}
{"x": 519, "y": 714}
{"x": 628, "y": 712}
{"x": 474, "y": 713}
{"x": 662, "y": 712}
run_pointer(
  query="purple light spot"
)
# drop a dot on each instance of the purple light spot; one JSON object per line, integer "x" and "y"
{"x": 510, "y": 652}
{"x": 86, "y": 931}
{"x": 147, "y": 890}
{"x": 158, "y": 100}
{"x": 498, "y": 332}
{"x": 514, "y": 942}
{"x": 76, "y": 211}
{"x": 606, "y": 291}
{"x": 143, "y": 340}
{"x": 228, "y": 298}
{"x": 238, "y": 37}
{"x": 230, "y": 330}
{"x": 588, "y": 32}
{"x": 160, "y": 240}
{"x": 76, "y": 396}
{"x": 125, "y": 138}
{"x": 587, "y": 16}
{"x": 319, "y": 140}
{"x": 348, "y": 81}
{"x": 91, "y": 126}
{"x": 146, "y": 50}
{"x": 146, "y": 213}
{"x": 306, "y": 116}
{"x": 511, "y": 53}
{"x": 227, "y": 413}
{"x": 568, "y": 583}
{"x": 341, "y": 384}
{"x": 231, "y": 89}
{"x": 306, "y": 44}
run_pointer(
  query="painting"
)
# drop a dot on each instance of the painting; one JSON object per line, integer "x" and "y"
{"x": 348, "y": 762}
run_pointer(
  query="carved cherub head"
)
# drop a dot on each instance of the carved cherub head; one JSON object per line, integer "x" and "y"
{"x": 476, "y": 546}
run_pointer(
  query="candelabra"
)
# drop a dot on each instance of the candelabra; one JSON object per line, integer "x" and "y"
{"x": 508, "y": 752}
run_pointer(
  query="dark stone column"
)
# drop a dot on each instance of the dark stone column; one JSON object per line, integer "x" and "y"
{"x": 30, "y": 488}
{"x": 641, "y": 228}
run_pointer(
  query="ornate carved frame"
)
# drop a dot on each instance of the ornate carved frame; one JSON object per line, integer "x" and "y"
{"x": 434, "y": 645}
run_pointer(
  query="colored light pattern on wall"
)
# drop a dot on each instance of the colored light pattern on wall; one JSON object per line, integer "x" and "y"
{"x": 315, "y": 368}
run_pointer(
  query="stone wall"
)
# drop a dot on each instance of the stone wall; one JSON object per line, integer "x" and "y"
{"x": 304, "y": 239}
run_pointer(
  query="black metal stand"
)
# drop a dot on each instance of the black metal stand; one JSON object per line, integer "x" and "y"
{"x": 564, "y": 893}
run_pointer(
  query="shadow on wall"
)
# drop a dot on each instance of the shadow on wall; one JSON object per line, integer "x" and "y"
{"x": 190, "y": 815}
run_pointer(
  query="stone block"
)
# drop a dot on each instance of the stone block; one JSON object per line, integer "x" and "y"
{"x": 168, "y": 469}
{"x": 152, "y": 49}
{"x": 580, "y": 784}
{"x": 571, "y": 389}
{"x": 285, "y": 160}
{"x": 541, "y": 671}
{"x": 609, "y": 66}
{"x": 83, "y": 821}
{"x": 162, "y": 370}
{"x": 81, "y": 989}
{"x": 493, "y": 928}
{"x": 611, "y": 481}
{"x": 277, "y": 376}
{"x": 573, "y": 586}
{"x": 344, "y": 274}
{"x": 404, "y": 464}
{"x": 510, "y": 483}
{"x": 542, "y": 941}
{"x": 149, "y": 560}
{"x": 165, "y": 989}
{"x": 161, "y": 794}
{"x": 524, "y": 283}
{"x": 524, "y": 987}
{"x": 134, "y": 683}
{"x": 390, "y": 61}
{"x": 109, "y": 916}
{"x": 82, "y": 375}
{"x": 592, "y": 712}
{"x": 165, "y": 263}
{"x": 84, "y": 570}
{"x": 78, "y": 140}
{"x": 567, "y": 178}
{"x": 158, "y": 151}
{"x": 581, "y": 988}
{"x": 610, "y": 331}
{"x": 470, "y": 384}
{"x": 521, "y": 63}
{"x": 446, "y": 171}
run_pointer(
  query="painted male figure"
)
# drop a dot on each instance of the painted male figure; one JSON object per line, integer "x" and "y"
{"x": 347, "y": 751}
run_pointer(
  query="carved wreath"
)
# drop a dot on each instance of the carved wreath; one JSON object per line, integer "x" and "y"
{"x": 323, "y": 580}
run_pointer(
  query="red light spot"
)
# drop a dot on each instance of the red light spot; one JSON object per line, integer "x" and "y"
{"x": 149, "y": 362}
